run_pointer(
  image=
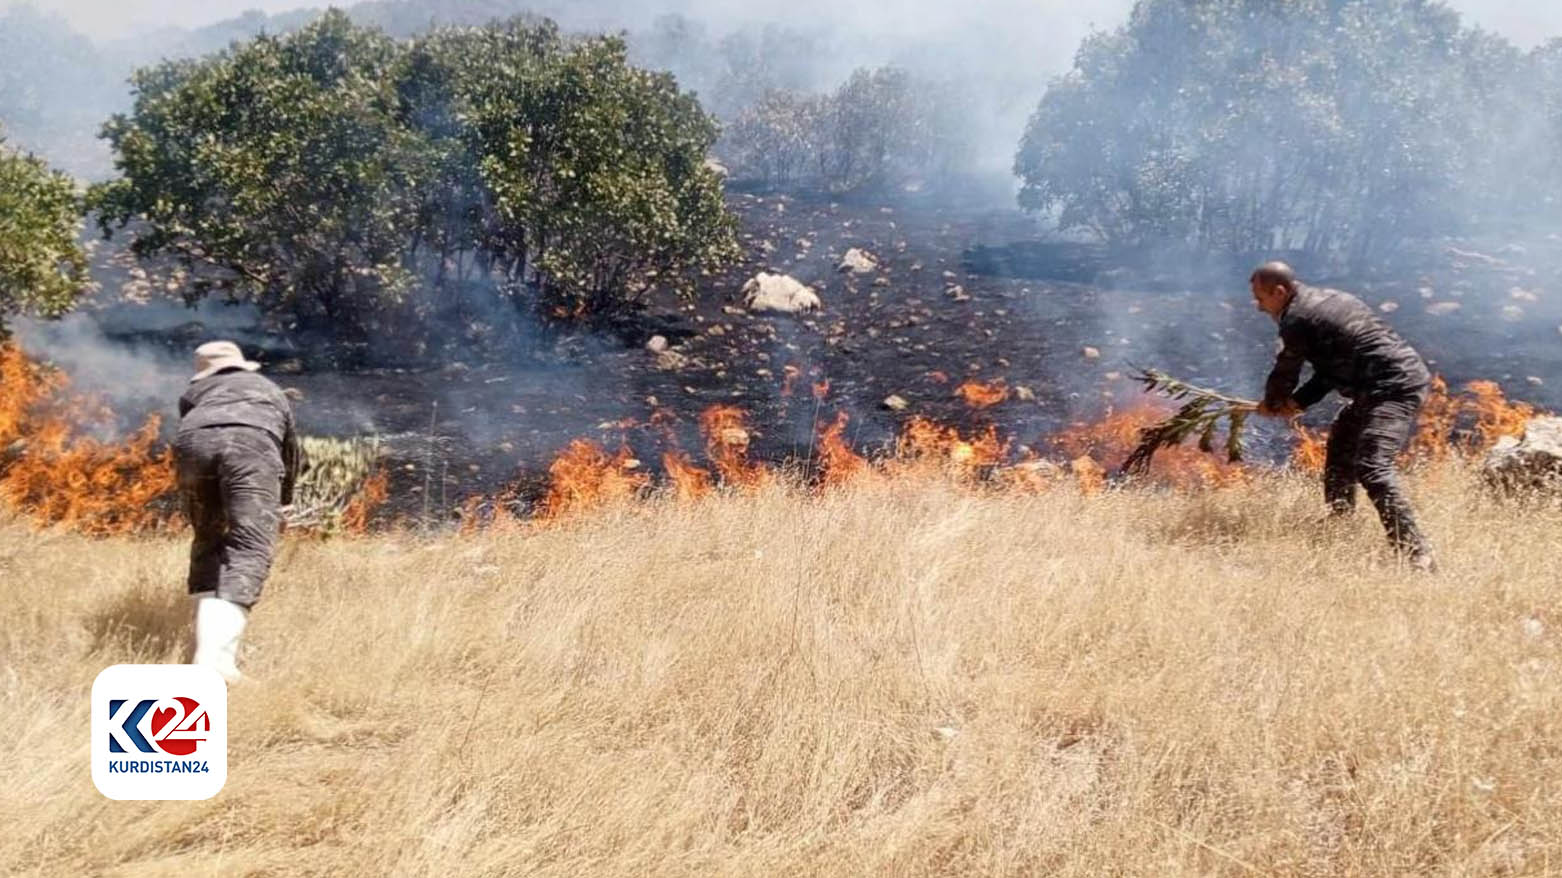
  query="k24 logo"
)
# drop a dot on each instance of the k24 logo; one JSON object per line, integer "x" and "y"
{"x": 171, "y": 727}
{"x": 159, "y": 732}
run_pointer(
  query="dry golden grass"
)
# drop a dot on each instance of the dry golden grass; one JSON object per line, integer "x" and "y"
{"x": 897, "y": 678}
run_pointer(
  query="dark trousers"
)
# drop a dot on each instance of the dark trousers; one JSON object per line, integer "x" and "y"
{"x": 230, "y": 483}
{"x": 1367, "y": 436}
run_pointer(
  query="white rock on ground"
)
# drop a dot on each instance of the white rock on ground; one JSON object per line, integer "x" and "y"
{"x": 858, "y": 261}
{"x": 778, "y": 292}
{"x": 1531, "y": 463}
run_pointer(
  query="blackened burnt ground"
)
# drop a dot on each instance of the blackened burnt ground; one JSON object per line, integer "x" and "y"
{"x": 961, "y": 292}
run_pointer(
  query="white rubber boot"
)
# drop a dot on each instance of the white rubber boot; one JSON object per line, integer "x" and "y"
{"x": 218, "y": 625}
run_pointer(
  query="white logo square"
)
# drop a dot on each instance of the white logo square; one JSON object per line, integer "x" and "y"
{"x": 159, "y": 732}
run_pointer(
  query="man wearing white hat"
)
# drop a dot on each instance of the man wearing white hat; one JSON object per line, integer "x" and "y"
{"x": 237, "y": 457}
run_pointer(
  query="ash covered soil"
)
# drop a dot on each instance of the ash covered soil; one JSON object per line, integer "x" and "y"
{"x": 960, "y": 293}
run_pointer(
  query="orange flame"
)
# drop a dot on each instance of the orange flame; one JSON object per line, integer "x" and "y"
{"x": 585, "y": 477}
{"x": 1109, "y": 440}
{"x": 1435, "y": 426}
{"x": 1088, "y": 474}
{"x": 1495, "y": 417}
{"x": 56, "y": 476}
{"x": 689, "y": 481}
{"x": 841, "y": 464}
{"x": 980, "y": 395}
{"x": 1311, "y": 449}
{"x": 1483, "y": 407}
{"x": 923, "y": 440}
{"x": 726, "y": 443}
{"x": 369, "y": 497}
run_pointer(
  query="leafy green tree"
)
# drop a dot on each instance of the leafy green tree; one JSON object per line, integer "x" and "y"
{"x": 880, "y": 127}
{"x": 42, "y": 267}
{"x": 366, "y": 186}
{"x": 597, "y": 170}
{"x": 275, "y": 172}
{"x": 1336, "y": 126}
{"x": 781, "y": 139}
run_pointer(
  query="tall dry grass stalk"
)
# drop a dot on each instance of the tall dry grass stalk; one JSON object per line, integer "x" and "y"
{"x": 899, "y": 677}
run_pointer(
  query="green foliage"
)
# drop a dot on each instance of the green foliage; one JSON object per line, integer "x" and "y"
{"x": 272, "y": 171}
{"x": 880, "y": 127}
{"x": 1332, "y": 126}
{"x": 1200, "y": 415}
{"x": 594, "y": 171}
{"x": 42, "y": 266}
{"x": 366, "y": 186}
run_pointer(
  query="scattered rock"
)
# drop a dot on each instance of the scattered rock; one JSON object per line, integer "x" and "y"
{"x": 1535, "y": 380}
{"x": 1024, "y": 394}
{"x": 895, "y": 403}
{"x": 735, "y": 311}
{"x": 1512, "y": 313}
{"x": 1090, "y": 353}
{"x": 778, "y": 292}
{"x": 719, "y": 168}
{"x": 1389, "y": 307}
{"x": 1534, "y": 627}
{"x": 671, "y": 361}
{"x": 858, "y": 261}
{"x": 1440, "y": 309}
{"x": 716, "y": 330}
{"x": 1533, "y": 463}
{"x": 881, "y": 281}
{"x": 657, "y": 344}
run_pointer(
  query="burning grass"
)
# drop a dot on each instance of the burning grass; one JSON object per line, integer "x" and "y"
{"x": 904, "y": 678}
{"x": 53, "y": 469}
{"x": 50, "y": 470}
{"x": 57, "y": 472}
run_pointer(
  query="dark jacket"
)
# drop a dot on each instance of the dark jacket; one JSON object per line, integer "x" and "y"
{"x": 235, "y": 397}
{"x": 1350, "y": 348}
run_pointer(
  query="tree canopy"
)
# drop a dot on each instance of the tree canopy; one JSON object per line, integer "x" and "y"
{"x": 1333, "y": 126}
{"x": 42, "y": 267}
{"x": 361, "y": 184}
{"x": 881, "y": 126}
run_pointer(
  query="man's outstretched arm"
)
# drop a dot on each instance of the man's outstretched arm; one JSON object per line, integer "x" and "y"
{"x": 1281, "y": 384}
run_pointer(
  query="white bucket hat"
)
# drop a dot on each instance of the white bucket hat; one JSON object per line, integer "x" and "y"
{"x": 215, "y": 356}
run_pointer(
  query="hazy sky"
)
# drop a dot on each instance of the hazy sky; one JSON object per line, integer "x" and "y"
{"x": 1526, "y": 22}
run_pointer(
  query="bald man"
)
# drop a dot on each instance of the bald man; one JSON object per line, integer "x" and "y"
{"x": 1354, "y": 353}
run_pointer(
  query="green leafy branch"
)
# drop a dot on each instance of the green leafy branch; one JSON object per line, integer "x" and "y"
{"x": 1199, "y": 416}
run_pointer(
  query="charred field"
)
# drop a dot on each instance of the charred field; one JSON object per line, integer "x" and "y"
{"x": 964, "y": 293}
